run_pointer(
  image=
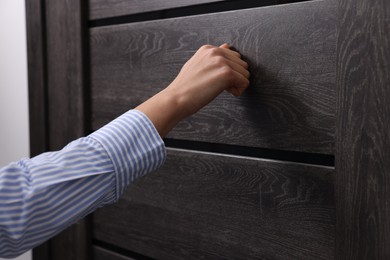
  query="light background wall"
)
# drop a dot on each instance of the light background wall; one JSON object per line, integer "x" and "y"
{"x": 14, "y": 131}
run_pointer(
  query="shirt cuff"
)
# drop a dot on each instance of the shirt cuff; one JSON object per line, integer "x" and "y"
{"x": 133, "y": 145}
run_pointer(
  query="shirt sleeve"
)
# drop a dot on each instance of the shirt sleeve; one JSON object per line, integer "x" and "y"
{"x": 40, "y": 197}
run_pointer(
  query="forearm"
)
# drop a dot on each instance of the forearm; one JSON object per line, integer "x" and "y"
{"x": 41, "y": 196}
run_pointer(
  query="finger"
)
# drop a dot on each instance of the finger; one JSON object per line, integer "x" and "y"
{"x": 241, "y": 83}
{"x": 231, "y": 55}
{"x": 238, "y": 84}
{"x": 225, "y": 46}
{"x": 236, "y": 91}
{"x": 238, "y": 68}
{"x": 233, "y": 91}
{"x": 231, "y": 52}
{"x": 236, "y": 59}
{"x": 227, "y": 49}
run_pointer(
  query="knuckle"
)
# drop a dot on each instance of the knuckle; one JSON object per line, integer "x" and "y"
{"x": 214, "y": 51}
{"x": 219, "y": 61}
{"x": 226, "y": 72}
{"x": 205, "y": 47}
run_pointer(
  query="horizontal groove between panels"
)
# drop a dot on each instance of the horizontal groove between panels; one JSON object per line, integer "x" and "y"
{"x": 215, "y": 7}
{"x": 259, "y": 153}
{"x": 119, "y": 250}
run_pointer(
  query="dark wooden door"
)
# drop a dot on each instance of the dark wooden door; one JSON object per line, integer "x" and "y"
{"x": 294, "y": 169}
{"x": 363, "y": 140}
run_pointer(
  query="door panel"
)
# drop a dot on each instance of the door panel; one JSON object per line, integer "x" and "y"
{"x": 204, "y": 205}
{"x": 291, "y": 52}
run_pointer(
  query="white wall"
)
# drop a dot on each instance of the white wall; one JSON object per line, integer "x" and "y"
{"x": 14, "y": 134}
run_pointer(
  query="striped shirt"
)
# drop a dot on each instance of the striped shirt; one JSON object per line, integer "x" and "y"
{"x": 40, "y": 197}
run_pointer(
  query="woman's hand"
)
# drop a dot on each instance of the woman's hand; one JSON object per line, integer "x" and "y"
{"x": 208, "y": 73}
{"x": 203, "y": 77}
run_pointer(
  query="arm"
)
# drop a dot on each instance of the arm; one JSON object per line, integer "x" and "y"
{"x": 40, "y": 197}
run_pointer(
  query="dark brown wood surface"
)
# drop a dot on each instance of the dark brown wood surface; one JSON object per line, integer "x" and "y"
{"x": 66, "y": 72}
{"x": 363, "y": 130}
{"x": 67, "y": 120}
{"x": 36, "y": 42}
{"x": 291, "y": 52}
{"x": 109, "y": 8}
{"x": 100, "y": 253}
{"x": 210, "y": 206}
{"x": 36, "y": 51}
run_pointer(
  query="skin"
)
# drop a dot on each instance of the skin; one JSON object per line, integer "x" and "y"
{"x": 203, "y": 77}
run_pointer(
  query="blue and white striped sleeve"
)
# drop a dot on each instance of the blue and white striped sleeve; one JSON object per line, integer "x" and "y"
{"x": 40, "y": 197}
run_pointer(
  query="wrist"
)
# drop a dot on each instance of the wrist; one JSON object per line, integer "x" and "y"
{"x": 173, "y": 105}
{"x": 165, "y": 110}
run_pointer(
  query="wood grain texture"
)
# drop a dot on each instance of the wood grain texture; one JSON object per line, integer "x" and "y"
{"x": 100, "y": 253}
{"x": 65, "y": 21}
{"x": 37, "y": 90}
{"x": 110, "y": 8}
{"x": 209, "y": 206}
{"x": 291, "y": 52}
{"x": 36, "y": 42}
{"x": 101, "y": 9}
{"x": 363, "y": 130}
{"x": 65, "y": 72}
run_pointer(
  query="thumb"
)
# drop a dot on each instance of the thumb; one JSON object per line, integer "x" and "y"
{"x": 225, "y": 45}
